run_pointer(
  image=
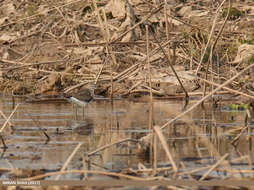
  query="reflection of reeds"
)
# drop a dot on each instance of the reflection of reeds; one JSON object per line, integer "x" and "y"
{"x": 215, "y": 42}
{"x": 150, "y": 151}
{"x": 210, "y": 147}
{"x": 147, "y": 152}
{"x": 165, "y": 147}
{"x": 68, "y": 160}
{"x": 7, "y": 120}
{"x": 181, "y": 129}
{"x": 143, "y": 153}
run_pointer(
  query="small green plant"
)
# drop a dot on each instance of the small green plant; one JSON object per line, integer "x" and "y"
{"x": 246, "y": 42}
{"x": 238, "y": 106}
{"x": 207, "y": 56}
{"x": 234, "y": 13}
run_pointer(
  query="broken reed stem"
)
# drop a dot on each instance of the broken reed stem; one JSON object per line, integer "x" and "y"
{"x": 154, "y": 11}
{"x": 3, "y": 142}
{"x": 146, "y": 138}
{"x": 99, "y": 20}
{"x": 233, "y": 171}
{"x": 68, "y": 160}
{"x": 8, "y": 119}
{"x": 207, "y": 167}
{"x": 150, "y": 124}
{"x": 112, "y": 54}
{"x": 166, "y": 24}
{"x": 223, "y": 26}
{"x": 173, "y": 62}
{"x": 150, "y": 77}
{"x": 207, "y": 96}
{"x": 233, "y": 142}
{"x": 154, "y": 155}
{"x": 214, "y": 166}
{"x": 184, "y": 168}
{"x": 177, "y": 19}
{"x": 250, "y": 163}
{"x": 163, "y": 141}
{"x": 210, "y": 146}
{"x": 109, "y": 52}
{"x": 151, "y": 170}
{"x": 131, "y": 68}
{"x": 198, "y": 150}
{"x": 38, "y": 14}
{"x": 210, "y": 62}
{"x": 166, "y": 18}
{"x": 4, "y": 116}
{"x": 230, "y": 131}
{"x": 226, "y": 88}
{"x": 111, "y": 144}
{"x": 210, "y": 37}
{"x": 111, "y": 82}
{"x": 176, "y": 188}
{"x": 105, "y": 36}
{"x": 100, "y": 71}
{"x": 93, "y": 172}
{"x": 85, "y": 161}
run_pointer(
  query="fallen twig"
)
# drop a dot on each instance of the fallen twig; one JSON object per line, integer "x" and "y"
{"x": 68, "y": 160}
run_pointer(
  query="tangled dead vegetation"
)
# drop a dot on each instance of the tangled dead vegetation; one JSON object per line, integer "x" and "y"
{"x": 49, "y": 47}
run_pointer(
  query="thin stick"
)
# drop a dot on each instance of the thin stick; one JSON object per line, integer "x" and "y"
{"x": 184, "y": 168}
{"x": 99, "y": 20}
{"x": 4, "y": 116}
{"x": 3, "y": 142}
{"x": 93, "y": 172}
{"x": 207, "y": 96}
{"x": 109, "y": 52}
{"x": 109, "y": 145}
{"x": 100, "y": 71}
{"x": 228, "y": 89}
{"x": 104, "y": 34}
{"x": 152, "y": 52}
{"x": 233, "y": 142}
{"x": 206, "y": 167}
{"x": 210, "y": 37}
{"x": 214, "y": 166}
{"x": 166, "y": 24}
{"x": 91, "y": 44}
{"x": 38, "y": 14}
{"x": 146, "y": 138}
{"x": 171, "y": 64}
{"x": 68, "y": 160}
{"x": 158, "y": 131}
{"x": 8, "y": 119}
{"x": 175, "y": 18}
{"x": 155, "y": 169}
{"x": 214, "y": 44}
{"x": 150, "y": 77}
{"x": 166, "y": 19}
{"x": 150, "y": 91}
{"x": 250, "y": 163}
{"x": 154, "y": 11}
{"x": 236, "y": 171}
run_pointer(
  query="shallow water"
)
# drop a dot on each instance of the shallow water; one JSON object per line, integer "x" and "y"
{"x": 29, "y": 149}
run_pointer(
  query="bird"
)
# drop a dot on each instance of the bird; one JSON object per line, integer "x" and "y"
{"x": 83, "y": 97}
